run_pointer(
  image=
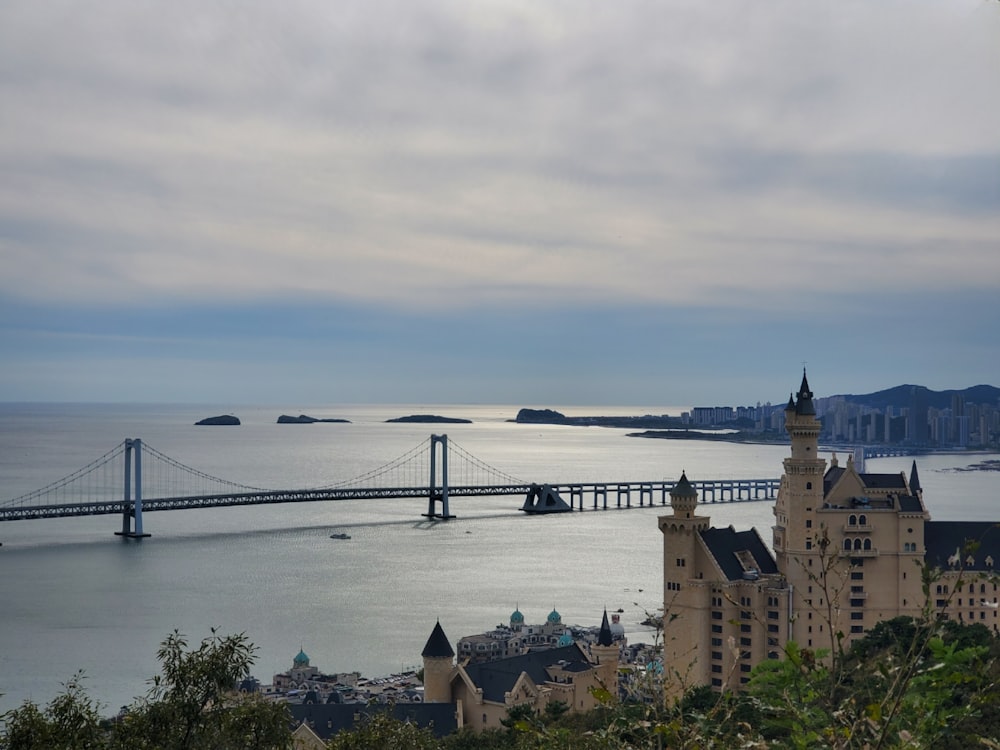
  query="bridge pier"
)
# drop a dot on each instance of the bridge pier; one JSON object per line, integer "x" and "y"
{"x": 132, "y": 508}
{"x": 435, "y": 496}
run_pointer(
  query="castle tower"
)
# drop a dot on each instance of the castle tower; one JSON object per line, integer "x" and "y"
{"x": 605, "y": 653}
{"x": 685, "y": 617}
{"x": 801, "y": 491}
{"x": 438, "y": 658}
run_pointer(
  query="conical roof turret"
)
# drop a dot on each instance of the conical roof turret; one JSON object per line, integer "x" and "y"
{"x": 914, "y": 479}
{"x": 604, "y": 637}
{"x": 804, "y": 398}
{"x": 438, "y": 645}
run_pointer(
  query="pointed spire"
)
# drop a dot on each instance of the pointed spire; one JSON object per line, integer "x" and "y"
{"x": 683, "y": 487}
{"x": 604, "y": 637}
{"x": 914, "y": 479}
{"x": 804, "y": 398}
{"x": 438, "y": 645}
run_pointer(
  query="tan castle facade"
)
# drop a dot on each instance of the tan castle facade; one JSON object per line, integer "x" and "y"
{"x": 848, "y": 552}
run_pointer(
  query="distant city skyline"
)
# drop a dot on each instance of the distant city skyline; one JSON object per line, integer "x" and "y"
{"x": 508, "y": 203}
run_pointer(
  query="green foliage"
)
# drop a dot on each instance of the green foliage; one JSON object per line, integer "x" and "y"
{"x": 380, "y": 731}
{"x": 70, "y": 722}
{"x": 192, "y": 705}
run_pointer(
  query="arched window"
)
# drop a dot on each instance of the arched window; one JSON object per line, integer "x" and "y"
{"x": 862, "y": 520}
{"x": 809, "y": 485}
{"x": 852, "y": 520}
{"x": 847, "y": 545}
{"x": 868, "y": 543}
{"x": 857, "y": 544}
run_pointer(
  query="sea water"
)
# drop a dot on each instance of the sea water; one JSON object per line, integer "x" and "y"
{"x": 75, "y": 597}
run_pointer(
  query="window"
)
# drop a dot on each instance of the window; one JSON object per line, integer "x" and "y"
{"x": 809, "y": 544}
{"x": 717, "y": 668}
{"x": 852, "y": 521}
{"x": 809, "y": 523}
{"x": 857, "y": 615}
{"x": 716, "y": 628}
{"x": 717, "y": 655}
{"x": 857, "y": 628}
{"x": 857, "y": 575}
{"x": 868, "y": 544}
{"x": 862, "y": 520}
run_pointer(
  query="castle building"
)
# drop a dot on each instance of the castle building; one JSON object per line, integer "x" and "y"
{"x": 483, "y": 693}
{"x": 847, "y": 551}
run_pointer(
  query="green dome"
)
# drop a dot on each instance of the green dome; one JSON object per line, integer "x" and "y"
{"x": 565, "y": 640}
{"x": 516, "y": 616}
{"x": 554, "y": 617}
{"x": 301, "y": 660}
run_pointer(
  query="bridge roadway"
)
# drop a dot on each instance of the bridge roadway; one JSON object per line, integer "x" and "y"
{"x": 711, "y": 491}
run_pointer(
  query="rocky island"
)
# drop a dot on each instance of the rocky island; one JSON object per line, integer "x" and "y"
{"x": 223, "y": 419}
{"x": 305, "y": 419}
{"x": 431, "y": 418}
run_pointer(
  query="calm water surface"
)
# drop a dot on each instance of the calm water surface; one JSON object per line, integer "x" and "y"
{"x": 73, "y": 596}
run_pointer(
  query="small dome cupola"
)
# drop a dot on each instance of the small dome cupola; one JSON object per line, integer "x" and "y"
{"x": 301, "y": 660}
{"x": 554, "y": 617}
{"x": 683, "y": 497}
{"x": 516, "y": 618}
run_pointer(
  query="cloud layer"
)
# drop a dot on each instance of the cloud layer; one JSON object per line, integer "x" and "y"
{"x": 462, "y": 162}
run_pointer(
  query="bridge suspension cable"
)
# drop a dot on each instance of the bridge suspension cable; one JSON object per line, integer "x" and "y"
{"x": 472, "y": 470}
{"x": 410, "y": 470}
{"x": 94, "y": 476}
{"x": 158, "y": 482}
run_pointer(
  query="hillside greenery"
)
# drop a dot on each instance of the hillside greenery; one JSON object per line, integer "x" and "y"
{"x": 907, "y": 684}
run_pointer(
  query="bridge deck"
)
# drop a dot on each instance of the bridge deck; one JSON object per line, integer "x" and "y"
{"x": 712, "y": 491}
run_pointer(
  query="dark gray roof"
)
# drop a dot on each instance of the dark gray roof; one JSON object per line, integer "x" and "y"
{"x": 804, "y": 398}
{"x": 914, "y": 478}
{"x": 498, "y": 677}
{"x": 910, "y": 504}
{"x": 943, "y": 538}
{"x": 832, "y": 476}
{"x": 725, "y": 544}
{"x": 604, "y": 637}
{"x": 326, "y": 719}
{"x": 884, "y": 481}
{"x": 438, "y": 645}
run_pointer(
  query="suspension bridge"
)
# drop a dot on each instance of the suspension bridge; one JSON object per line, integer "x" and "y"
{"x": 134, "y": 477}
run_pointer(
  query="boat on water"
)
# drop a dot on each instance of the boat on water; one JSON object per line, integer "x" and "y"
{"x": 341, "y": 535}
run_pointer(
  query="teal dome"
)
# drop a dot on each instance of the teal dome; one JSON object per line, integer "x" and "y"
{"x": 517, "y": 617}
{"x": 554, "y": 618}
{"x": 565, "y": 640}
{"x": 301, "y": 660}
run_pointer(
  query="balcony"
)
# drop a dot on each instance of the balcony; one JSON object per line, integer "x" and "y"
{"x": 859, "y": 553}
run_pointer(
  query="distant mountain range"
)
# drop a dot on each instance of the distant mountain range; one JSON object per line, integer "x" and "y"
{"x": 902, "y": 396}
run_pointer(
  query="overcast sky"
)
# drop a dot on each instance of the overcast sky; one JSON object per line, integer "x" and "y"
{"x": 529, "y": 203}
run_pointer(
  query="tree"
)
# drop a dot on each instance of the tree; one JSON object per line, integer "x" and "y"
{"x": 70, "y": 722}
{"x": 192, "y": 705}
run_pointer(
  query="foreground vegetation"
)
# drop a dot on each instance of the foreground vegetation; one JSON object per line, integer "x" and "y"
{"x": 907, "y": 684}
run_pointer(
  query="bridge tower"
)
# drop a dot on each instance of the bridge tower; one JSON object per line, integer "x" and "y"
{"x": 435, "y": 495}
{"x": 132, "y": 508}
